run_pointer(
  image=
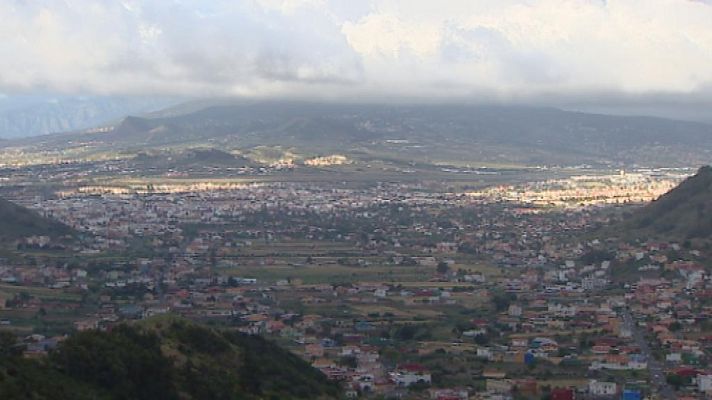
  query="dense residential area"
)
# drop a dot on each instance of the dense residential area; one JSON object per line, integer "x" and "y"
{"x": 392, "y": 290}
{"x": 356, "y": 199}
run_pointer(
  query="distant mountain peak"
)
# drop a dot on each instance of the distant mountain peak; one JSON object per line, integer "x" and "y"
{"x": 23, "y": 116}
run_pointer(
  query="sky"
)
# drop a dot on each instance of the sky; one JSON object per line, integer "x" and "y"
{"x": 577, "y": 52}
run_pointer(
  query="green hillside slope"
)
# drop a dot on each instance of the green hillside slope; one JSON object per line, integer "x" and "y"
{"x": 163, "y": 358}
{"x": 683, "y": 213}
{"x": 17, "y": 221}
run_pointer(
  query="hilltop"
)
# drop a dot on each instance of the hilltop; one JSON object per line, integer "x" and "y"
{"x": 163, "y": 358}
{"x": 17, "y": 222}
{"x": 437, "y": 134}
{"x": 683, "y": 213}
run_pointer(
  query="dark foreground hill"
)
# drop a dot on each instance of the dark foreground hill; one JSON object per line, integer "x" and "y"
{"x": 163, "y": 358}
{"x": 683, "y": 213}
{"x": 17, "y": 222}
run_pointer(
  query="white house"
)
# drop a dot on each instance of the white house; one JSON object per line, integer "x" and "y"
{"x": 365, "y": 382}
{"x": 515, "y": 310}
{"x": 704, "y": 383}
{"x": 637, "y": 362}
{"x": 411, "y": 374}
{"x": 597, "y": 388}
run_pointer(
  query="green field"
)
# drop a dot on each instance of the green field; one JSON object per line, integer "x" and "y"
{"x": 40, "y": 292}
{"x": 332, "y": 273}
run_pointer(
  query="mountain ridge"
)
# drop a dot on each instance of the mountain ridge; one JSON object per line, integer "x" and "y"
{"x": 435, "y": 133}
{"x": 23, "y": 116}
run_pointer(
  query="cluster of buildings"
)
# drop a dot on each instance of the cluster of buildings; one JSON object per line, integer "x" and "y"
{"x": 637, "y": 187}
{"x": 502, "y": 301}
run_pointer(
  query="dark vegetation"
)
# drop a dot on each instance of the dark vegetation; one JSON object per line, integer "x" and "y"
{"x": 161, "y": 358}
{"x": 17, "y": 222}
{"x": 683, "y": 213}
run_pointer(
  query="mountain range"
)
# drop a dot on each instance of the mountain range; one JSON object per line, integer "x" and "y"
{"x": 22, "y": 116}
{"x": 441, "y": 134}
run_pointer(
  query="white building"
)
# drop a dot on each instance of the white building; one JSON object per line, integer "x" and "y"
{"x": 704, "y": 383}
{"x": 411, "y": 374}
{"x": 484, "y": 352}
{"x": 515, "y": 310}
{"x": 381, "y": 292}
{"x": 597, "y": 388}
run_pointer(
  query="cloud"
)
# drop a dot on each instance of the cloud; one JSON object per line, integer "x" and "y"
{"x": 552, "y": 46}
{"x": 290, "y": 6}
{"x": 499, "y": 49}
{"x": 170, "y": 47}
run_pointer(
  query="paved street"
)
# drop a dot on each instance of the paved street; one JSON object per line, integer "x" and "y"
{"x": 657, "y": 373}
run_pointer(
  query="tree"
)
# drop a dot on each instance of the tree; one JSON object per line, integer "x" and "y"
{"x": 502, "y": 300}
{"x": 443, "y": 267}
{"x": 481, "y": 340}
{"x": 8, "y": 344}
{"x": 675, "y": 380}
{"x": 348, "y": 361}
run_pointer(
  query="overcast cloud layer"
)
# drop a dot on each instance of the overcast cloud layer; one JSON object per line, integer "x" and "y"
{"x": 495, "y": 49}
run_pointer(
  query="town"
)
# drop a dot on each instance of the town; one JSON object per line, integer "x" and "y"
{"x": 372, "y": 199}
{"x": 395, "y": 290}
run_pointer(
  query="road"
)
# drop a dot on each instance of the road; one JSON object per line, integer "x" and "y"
{"x": 658, "y": 379}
